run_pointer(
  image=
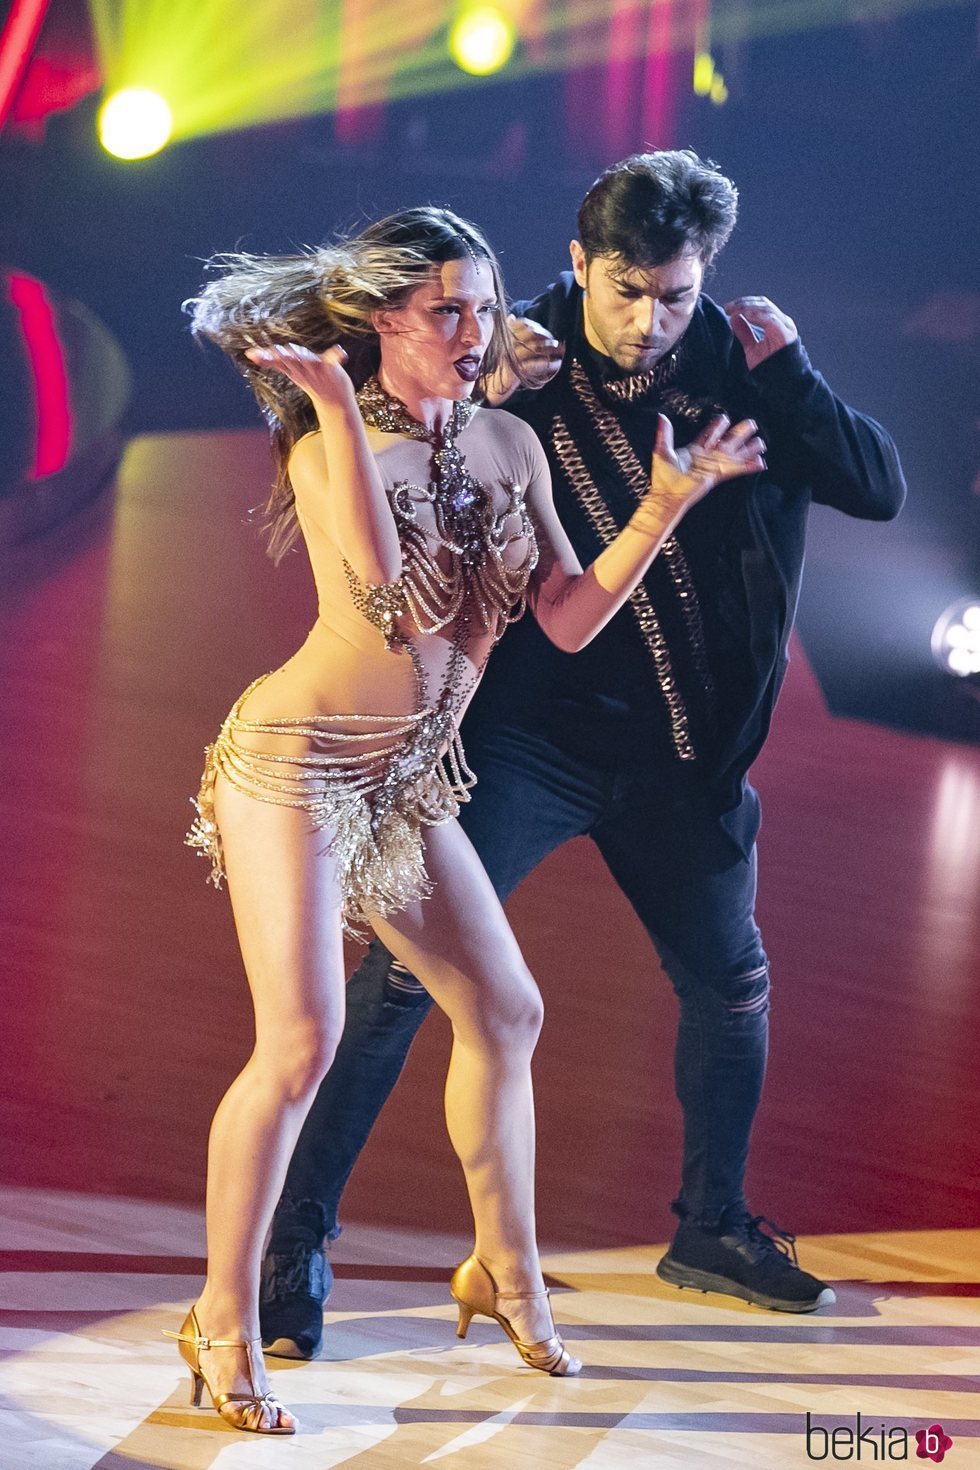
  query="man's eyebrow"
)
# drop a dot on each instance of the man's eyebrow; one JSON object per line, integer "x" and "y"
{"x": 625, "y": 285}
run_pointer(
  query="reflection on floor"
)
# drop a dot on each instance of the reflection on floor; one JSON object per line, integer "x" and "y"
{"x": 671, "y": 1379}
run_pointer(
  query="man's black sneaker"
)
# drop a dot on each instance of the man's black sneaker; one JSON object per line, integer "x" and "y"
{"x": 293, "y": 1287}
{"x": 738, "y": 1258}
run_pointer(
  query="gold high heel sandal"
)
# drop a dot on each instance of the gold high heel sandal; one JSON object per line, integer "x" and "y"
{"x": 474, "y": 1290}
{"x": 252, "y": 1406}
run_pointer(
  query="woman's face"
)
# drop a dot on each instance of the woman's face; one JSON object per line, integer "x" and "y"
{"x": 434, "y": 342}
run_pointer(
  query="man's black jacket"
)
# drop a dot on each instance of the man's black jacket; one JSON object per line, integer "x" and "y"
{"x": 817, "y": 449}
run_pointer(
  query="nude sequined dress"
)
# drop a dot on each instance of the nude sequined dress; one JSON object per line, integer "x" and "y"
{"x": 372, "y": 781}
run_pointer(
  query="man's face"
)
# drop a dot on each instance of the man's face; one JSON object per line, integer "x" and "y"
{"x": 633, "y": 315}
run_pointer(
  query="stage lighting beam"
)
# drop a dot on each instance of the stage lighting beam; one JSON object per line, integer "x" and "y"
{"x": 223, "y": 66}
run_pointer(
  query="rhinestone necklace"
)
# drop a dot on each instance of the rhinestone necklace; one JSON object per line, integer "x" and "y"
{"x": 458, "y": 498}
{"x": 382, "y": 410}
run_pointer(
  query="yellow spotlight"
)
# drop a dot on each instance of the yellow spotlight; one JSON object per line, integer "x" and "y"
{"x": 719, "y": 92}
{"x": 134, "y": 123}
{"x": 481, "y": 39}
{"x": 704, "y": 73}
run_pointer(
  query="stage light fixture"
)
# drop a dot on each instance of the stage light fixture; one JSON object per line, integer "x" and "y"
{"x": 134, "y": 123}
{"x": 482, "y": 39}
{"x": 956, "y": 638}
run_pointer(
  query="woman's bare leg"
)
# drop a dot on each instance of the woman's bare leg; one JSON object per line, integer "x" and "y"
{"x": 286, "y": 903}
{"x": 460, "y": 945}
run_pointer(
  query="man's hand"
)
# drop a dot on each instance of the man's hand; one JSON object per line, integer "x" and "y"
{"x": 760, "y": 326}
{"x": 538, "y": 354}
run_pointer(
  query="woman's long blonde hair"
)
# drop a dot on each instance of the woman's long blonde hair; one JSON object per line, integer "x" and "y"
{"x": 322, "y": 296}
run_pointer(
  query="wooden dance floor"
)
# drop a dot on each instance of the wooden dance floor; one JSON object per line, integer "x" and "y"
{"x": 123, "y": 640}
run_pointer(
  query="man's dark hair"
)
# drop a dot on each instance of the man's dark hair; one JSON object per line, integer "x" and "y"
{"x": 652, "y": 207}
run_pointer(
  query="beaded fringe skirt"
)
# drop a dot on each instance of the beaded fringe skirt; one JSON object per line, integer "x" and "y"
{"x": 370, "y": 783}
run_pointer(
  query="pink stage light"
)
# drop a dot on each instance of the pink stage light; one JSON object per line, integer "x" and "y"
{"x": 623, "y": 70}
{"x": 17, "y": 42}
{"x": 660, "y": 82}
{"x": 49, "y": 376}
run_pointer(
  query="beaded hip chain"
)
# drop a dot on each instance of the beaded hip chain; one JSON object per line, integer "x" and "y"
{"x": 370, "y": 781}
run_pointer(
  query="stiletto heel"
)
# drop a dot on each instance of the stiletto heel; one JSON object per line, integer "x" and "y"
{"x": 241, "y": 1407}
{"x": 474, "y": 1290}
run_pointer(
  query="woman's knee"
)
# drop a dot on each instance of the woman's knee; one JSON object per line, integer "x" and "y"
{"x": 510, "y": 1013}
{"x": 297, "y": 1055}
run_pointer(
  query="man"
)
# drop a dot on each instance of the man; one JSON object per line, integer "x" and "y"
{"x": 644, "y": 739}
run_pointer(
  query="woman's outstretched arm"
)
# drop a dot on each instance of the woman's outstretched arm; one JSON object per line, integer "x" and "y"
{"x": 333, "y": 473}
{"x": 573, "y": 605}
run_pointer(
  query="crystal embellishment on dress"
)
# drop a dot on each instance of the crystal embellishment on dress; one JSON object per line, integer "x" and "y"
{"x": 467, "y": 527}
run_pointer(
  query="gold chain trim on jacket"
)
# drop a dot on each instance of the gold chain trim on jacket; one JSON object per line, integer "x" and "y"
{"x": 606, "y": 529}
{"x": 636, "y": 477}
{"x": 627, "y": 390}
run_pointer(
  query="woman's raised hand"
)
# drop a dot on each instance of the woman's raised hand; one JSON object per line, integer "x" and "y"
{"x": 320, "y": 374}
{"x": 722, "y": 451}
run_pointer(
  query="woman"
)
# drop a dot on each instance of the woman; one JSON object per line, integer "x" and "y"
{"x": 330, "y": 794}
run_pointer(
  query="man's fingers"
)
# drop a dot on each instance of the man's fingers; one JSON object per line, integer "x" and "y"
{"x": 751, "y": 331}
{"x": 756, "y": 312}
{"x": 743, "y": 330}
{"x": 532, "y": 335}
{"x": 536, "y": 352}
{"x": 528, "y": 326}
{"x": 539, "y": 359}
{"x": 535, "y": 339}
{"x": 751, "y": 306}
{"x": 756, "y": 320}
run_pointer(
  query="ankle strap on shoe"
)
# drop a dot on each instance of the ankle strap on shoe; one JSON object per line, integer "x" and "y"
{"x": 524, "y": 1296}
{"x": 211, "y": 1342}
